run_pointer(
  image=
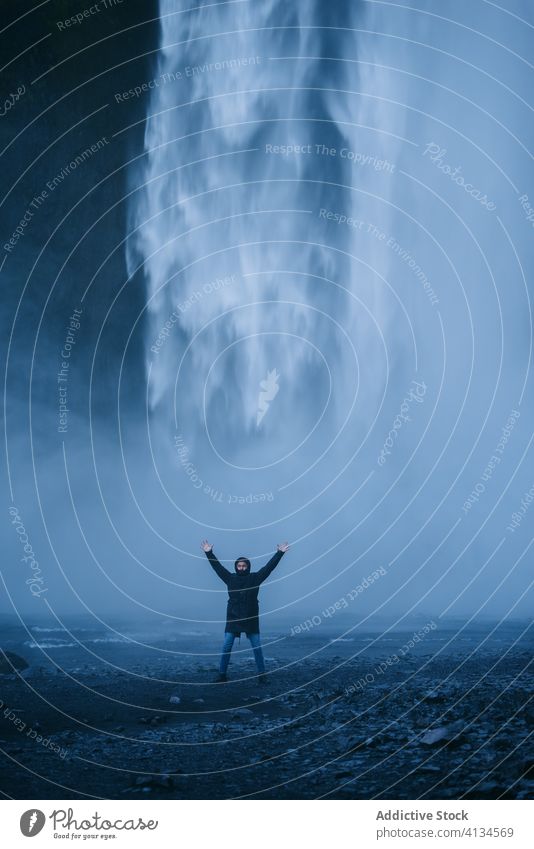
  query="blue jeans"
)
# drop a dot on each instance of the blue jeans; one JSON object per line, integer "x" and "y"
{"x": 255, "y": 642}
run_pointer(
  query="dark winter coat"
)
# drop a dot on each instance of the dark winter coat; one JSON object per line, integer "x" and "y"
{"x": 242, "y": 611}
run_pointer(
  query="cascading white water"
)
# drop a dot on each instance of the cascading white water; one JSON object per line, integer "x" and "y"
{"x": 227, "y": 217}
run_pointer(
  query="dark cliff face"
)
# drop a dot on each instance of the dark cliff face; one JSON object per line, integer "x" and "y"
{"x": 70, "y": 82}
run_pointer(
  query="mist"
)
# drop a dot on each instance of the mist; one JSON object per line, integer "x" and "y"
{"x": 302, "y": 268}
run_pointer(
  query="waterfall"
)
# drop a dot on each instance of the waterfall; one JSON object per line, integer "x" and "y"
{"x": 273, "y": 137}
{"x": 239, "y": 163}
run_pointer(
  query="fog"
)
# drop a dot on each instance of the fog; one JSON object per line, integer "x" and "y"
{"x": 302, "y": 268}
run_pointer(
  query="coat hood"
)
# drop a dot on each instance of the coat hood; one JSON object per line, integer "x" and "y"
{"x": 245, "y": 560}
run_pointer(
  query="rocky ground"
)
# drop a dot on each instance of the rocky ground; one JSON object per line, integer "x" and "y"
{"x": 455, "y": 725}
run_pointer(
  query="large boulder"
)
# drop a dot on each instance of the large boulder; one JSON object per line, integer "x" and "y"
{"x": 11, "y": 662}
{"x": 444, "y": 734}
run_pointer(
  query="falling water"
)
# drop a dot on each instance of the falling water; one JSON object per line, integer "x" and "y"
{"x": 257, "y": 139}
{"x": 279, "y": 327}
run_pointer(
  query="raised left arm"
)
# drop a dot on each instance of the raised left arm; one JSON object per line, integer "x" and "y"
{"x": 266, "y": 570}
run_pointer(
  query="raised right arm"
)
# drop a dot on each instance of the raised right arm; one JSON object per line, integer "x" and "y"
{"x": 217, "y": 567}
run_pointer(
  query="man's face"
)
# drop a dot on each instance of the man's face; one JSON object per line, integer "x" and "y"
{"x": 241, "y": 566}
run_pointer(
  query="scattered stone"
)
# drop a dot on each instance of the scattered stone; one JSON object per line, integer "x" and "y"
{"x": 487, "y": 786}
{"x": 442, "y": 734}
{"x": 432, "y": 696}
{"x": 344, "y": 773}
{"x": 175, "y": 700}
{"x": 242, "y": 713}
{"x": 405, "y": 724}
{"x": 153, "y": 782}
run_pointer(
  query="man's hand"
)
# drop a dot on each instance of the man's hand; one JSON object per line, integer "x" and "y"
{"x": 283, "y": 546}
{"x": 205, "y": 546}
